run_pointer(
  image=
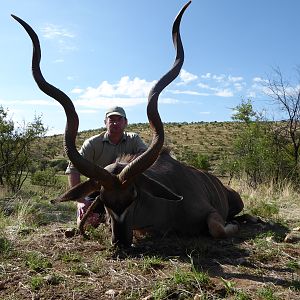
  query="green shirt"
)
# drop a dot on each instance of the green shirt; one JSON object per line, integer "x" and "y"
{"x": 99, "y": 150}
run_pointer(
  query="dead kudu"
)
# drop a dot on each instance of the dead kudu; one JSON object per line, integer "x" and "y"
{"x": 152, "y": 192}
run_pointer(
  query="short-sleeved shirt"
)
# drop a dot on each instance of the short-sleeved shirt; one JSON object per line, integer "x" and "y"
{"x": 99, "y": 150}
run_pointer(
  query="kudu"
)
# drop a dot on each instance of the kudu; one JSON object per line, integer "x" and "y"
{"x": 153, "y": 191}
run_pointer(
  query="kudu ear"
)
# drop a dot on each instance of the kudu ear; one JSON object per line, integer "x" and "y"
{"x": 79, "y": 191}
{"x": 156, "y": 189}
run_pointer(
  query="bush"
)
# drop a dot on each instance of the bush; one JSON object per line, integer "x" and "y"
{"x": 258, "y": 152}
{"x": 45, "y": 178}
{"x": 59, "y": 164}
{"x": 16, "y": 149}
{"x": 197, "y": 160}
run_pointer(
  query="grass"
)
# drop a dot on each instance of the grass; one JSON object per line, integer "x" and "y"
{"x": 268, "y": 293}
{"x": 278, "y": 203}
{"x": 48, "y": 263}
{"x": 37, "y": 260}
{"x": 92, "y": 267}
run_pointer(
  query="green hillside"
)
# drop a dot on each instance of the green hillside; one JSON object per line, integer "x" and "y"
{"x": 208, "y": 138}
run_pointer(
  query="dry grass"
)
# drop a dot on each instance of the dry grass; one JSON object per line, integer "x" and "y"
{"x": 38, "y": 261}
{"x": 283, "y": 199}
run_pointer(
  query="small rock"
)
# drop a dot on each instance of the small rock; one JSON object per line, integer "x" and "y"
{"x": 292, "y": 237}
{"x": 241, "y": 261}
{"x": 2, "y": 285}
{"x": 149, "y": 297}
{"x": 36, "y": 297}
{"x": 25, "y": 231}
{"x": 51, "y": 279}
{"x": 111, "y": 293}
{"x": 70, "y": 232}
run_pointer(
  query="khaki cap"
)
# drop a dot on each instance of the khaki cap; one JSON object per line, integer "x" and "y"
{"x": 116, "y": 110}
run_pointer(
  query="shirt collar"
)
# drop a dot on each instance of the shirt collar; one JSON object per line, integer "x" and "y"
{"x": 106, "y": 139}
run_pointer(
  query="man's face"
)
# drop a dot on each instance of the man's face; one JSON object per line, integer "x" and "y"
{"x": 115, "y": 124}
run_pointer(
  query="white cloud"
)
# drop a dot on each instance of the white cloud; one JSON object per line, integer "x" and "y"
{"x": 185, "y": 92}
{"x": 206, "y": 76}
{"x": 126, "y": 92}
{"x": 125, "y": 87}
{"x": 239, "y": 86}
{"x": 222, "y": 85}
{"x": 259, "y": 80}
{"x": 203, "y": 85}
{"x": 251, "y": 94}
{"x": 186, "y": 77}
{"x": 235, "y": 79}
{"x": 106, "y": 102}
{"x": 60, "y": 35}
{"x": 218, "y": 78}
{"x": 51, "y": 31}
{"x": 224, "y": 93}
{"x": 77, "y": 91}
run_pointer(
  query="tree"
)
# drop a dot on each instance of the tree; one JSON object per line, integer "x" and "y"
{"x": 287, "y": 96}
{"x": 257, "y": 150}
{"x": 244, "y": 112}
{"x": 6, "y": 127}
{"x": 16, "y": 143}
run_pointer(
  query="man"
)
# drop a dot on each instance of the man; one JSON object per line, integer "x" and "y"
{"x": 103, "y": 149}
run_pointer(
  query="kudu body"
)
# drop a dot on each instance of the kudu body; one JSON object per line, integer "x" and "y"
{"x": 152, "y": 191}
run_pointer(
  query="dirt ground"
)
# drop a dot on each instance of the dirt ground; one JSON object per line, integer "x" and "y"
{"x": 255, "y": 264}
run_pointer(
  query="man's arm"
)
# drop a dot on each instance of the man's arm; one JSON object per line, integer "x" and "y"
{"x": 73, "y": 178}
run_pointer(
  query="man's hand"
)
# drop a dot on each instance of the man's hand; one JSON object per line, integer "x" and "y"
{"x": 94, "y": 219}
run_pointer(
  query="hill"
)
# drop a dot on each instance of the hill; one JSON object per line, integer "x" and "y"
{"x": 207, "y": 138}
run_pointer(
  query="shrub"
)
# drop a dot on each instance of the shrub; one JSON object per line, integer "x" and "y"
{"x": 45, "y": 178}
{"x": 59, "y": 164}
{"x": 197, "y": 160}
{"x": 258, "y": 152}
{"x": 17, "y": 149}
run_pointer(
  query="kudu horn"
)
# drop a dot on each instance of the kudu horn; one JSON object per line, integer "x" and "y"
{"x": 140, "y": 164}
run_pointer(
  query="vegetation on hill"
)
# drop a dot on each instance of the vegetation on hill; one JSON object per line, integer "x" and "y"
{"x": 187, "y": 140}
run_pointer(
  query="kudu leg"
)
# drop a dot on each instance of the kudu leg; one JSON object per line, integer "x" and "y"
{"x": 217, "y": 227}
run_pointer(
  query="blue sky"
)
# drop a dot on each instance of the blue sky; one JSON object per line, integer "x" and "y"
{"x": 102, "y": 53}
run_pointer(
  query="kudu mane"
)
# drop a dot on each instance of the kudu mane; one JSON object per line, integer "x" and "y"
{"x": 128, "y": 158}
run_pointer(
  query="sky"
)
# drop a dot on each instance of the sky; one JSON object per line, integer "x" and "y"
{"x": 106, "y": 53}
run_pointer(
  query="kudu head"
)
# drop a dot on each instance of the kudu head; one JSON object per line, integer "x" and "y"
{"x": 115, "y": 182}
